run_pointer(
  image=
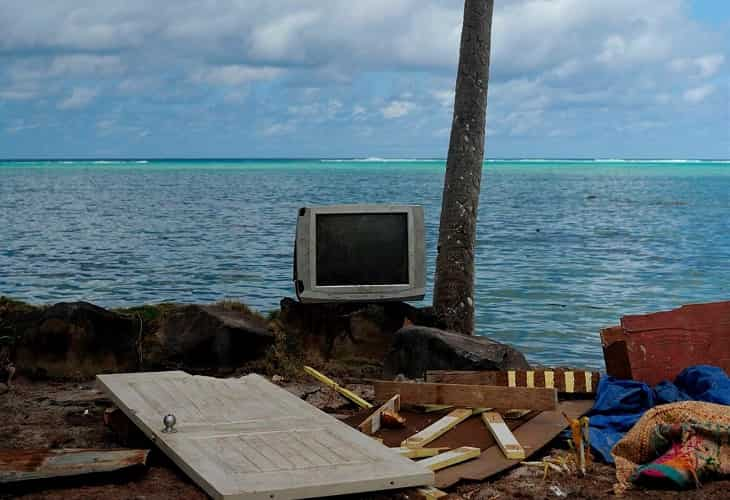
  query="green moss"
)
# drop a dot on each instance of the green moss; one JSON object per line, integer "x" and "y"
{"x": 11, "y": 305}
{"x": 149, "y": 312}
{"x": 234, "y": 305}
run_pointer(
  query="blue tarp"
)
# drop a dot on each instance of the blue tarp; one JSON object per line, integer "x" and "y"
{"x": 620, "y": 403}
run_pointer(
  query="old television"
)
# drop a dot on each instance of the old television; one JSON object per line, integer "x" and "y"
{"x": 359, "y": 253}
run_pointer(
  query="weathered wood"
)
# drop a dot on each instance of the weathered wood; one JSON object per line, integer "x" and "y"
{"x": 249, "y": 439}
{"x": 371, "y": 425}
{"x": 404, "y": 451}
{"x": 453, "y": 457}
{"x": 503, "y": 436}
{"x": 26, "y": 464}
{"x": 438, "y": 428}
{"x": 655, "y": 347}
{"x": 468, "y": 395}
{"x": 566, "y": 381}
{"x": 336, "y": 387}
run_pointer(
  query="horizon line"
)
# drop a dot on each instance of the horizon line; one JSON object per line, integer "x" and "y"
{"x": 345, "y": 158}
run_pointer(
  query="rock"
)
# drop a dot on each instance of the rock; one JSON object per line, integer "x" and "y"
{"x": 77, "y": 339}
{"x": 3, "y": 388}
{"x": 417, "y": 349}
{"x": 211, "y": 338}
{"x": 350, "y": 331}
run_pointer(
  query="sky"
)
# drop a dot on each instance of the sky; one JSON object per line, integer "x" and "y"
{"x": 374, "y": 78}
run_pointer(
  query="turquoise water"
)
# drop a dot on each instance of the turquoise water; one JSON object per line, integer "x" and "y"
{"x": 564, "y": 247}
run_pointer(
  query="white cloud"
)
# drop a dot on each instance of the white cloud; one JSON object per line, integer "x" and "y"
{"x": 358, "y": 110}
{"x": 236, "y": 74}
{"x": 698, "y": 94}
{"x": 79, "y": 98}
{"x": 20, "y": 126}
{"x": 444, "y": 97}
{"x": 280, "y": 128}
{"x": 703, "y": 66}
{"x": 86, "y": 64}
{"x": 710, "y": 64}
{"x": 397, "y": 109}
{"x": 17, "y": 94}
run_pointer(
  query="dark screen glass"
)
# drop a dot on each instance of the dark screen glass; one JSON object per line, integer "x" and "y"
{"x": 362, "y": 249}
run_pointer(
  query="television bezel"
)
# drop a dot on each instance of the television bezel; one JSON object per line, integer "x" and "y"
{"x": 305, "y": 258}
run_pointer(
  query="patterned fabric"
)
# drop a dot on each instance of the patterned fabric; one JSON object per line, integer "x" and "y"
{"x": 684, "y": 442}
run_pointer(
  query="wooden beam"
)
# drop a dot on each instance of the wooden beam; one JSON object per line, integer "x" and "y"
{"x": 473, "y": 396}
{"x": 404, "y": 451}
{"x": 450, "y": 458}
{"x": 335, "y": 386}
{"x": 436, "y": 429}
{"x": 567, "y": 381}
{"x": 31, "y": 463}
{"x": 426, "y": 493}
{"x": 503, "y": 436}
{"x": 434, "y": 408}
{"x": 371, "y": 425}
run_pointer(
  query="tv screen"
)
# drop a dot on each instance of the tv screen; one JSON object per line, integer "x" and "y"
{"x": 361, "y": 249}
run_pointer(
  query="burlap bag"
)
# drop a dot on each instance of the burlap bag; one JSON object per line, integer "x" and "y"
{"x": 635, "y": 447}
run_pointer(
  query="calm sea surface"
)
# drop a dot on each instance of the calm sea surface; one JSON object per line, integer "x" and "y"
{"x": 564, "y": 247}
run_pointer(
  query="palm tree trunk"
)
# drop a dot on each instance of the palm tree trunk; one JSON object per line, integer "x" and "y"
{"x": 453, "y": 297}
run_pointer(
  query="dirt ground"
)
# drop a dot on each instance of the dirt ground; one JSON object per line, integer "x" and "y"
{"x": 70, "y": 415}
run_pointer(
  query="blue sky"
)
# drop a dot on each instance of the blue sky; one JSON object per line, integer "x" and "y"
{"x": 335, "y": 78}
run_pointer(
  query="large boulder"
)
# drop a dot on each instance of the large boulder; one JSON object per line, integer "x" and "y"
{"x": 349, "y": 331}
{"x": 417, "y": 349}
{"x": 76, "y": 339}
{"x": 206, "y": 338}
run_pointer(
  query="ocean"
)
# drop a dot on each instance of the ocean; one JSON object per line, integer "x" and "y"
{"x": 565, "y": 247}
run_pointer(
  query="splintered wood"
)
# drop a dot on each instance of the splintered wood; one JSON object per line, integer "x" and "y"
{"x": 436, "y": 429}
{"x": 568, "y": 381}
{"x": 473, "y": 396}
{"x": 27, "y": 464}
{"x": 247, "y": 438}
{"x": 503, "y": 436}
{"x": 371, "y": 425}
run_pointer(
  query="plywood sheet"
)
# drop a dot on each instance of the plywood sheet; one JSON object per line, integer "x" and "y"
{"x": 247, "y": 438}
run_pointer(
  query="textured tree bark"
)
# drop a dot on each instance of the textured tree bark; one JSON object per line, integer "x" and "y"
{"x": 453, "y": 297}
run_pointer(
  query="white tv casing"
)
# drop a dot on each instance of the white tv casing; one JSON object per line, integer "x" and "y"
{"x": 305, "y": 258}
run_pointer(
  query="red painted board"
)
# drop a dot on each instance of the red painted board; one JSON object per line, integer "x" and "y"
{"x": 655, "y": 347}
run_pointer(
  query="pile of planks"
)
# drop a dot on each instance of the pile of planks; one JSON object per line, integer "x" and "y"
{"x": 519, "y": 409}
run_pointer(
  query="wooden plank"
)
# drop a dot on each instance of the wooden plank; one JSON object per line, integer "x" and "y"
{"x": 533, "y": 435}
{"x": 503, "y": 436}
{"x": 338, "y": 388}
{"x": 565, "y": 381}
{"x": 434, "y": 408}
{"x": 427, "y": 493}
{"x": 249, "y": 439}
{"x": 453, "y": 457}
{"x": 436, "y": 429}
{"x": 473, "y": 396}
{"x": 371, "y": 425}
{"x": 404, "y": 451}
{"x": 27, "y": 464}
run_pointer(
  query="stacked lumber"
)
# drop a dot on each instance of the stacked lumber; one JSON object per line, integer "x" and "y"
{"x": 655, "y": 347}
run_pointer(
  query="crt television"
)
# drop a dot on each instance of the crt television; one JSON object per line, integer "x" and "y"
{"x": 359, "y": 253}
